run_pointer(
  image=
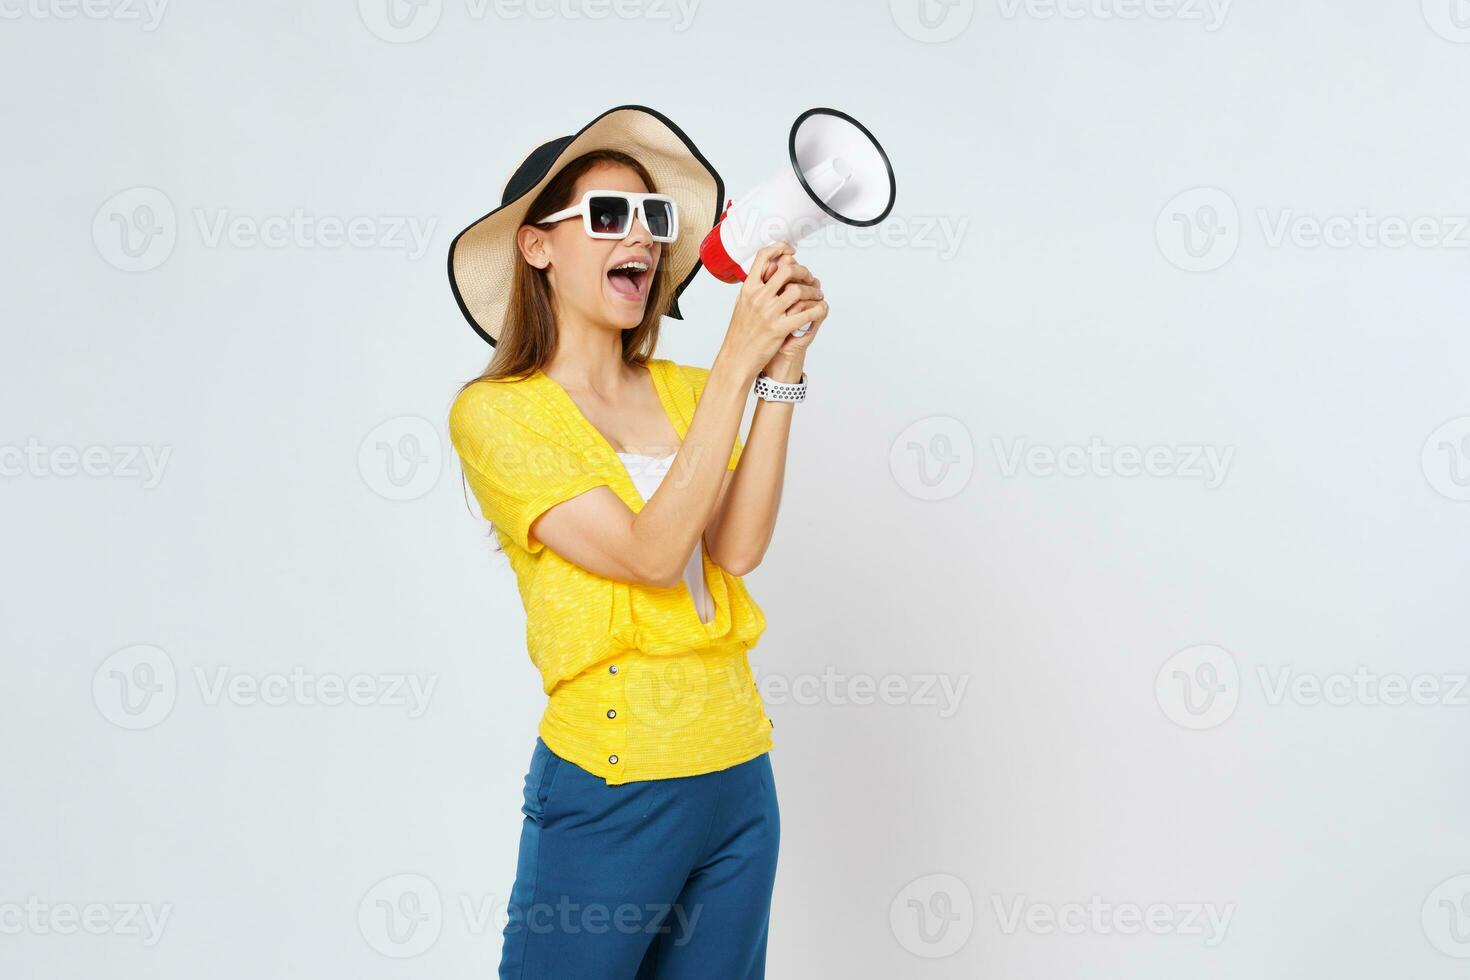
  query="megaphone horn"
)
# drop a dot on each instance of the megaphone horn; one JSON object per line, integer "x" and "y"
{"x": 836, "y": 172}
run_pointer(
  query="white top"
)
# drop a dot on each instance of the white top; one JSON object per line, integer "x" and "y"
{"x": 648, "y": 473}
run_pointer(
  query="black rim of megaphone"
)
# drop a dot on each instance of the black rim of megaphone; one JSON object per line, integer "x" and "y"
{"x": 791, "y": 149}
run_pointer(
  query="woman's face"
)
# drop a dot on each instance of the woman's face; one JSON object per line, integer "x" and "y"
{"x": 579, "y": 267}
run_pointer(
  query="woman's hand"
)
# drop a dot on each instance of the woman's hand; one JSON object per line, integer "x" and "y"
{"x": 770, "y": 306}
{"x": 788, "y": 361}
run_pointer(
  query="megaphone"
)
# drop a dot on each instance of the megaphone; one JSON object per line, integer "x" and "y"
{"x": 836, "y": 172}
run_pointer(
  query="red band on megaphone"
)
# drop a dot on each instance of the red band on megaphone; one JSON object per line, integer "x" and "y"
{"x": 712, "y": 253}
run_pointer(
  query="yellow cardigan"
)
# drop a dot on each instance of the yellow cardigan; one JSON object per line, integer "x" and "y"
{"x": 638, "y": 686}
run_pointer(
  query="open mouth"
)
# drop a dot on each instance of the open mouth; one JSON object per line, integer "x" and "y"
{"x": 629, "y": 280}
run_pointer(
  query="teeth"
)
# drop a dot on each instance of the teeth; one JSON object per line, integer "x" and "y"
{"x": 632, "y": 264}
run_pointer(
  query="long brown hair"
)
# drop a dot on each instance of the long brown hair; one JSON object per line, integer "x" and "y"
{"x": 527, "y": 337}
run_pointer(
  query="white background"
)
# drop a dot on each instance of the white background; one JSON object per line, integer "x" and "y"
{"x": 1103, "y": 239}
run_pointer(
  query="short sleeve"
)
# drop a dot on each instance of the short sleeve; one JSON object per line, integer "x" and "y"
{"x": 697, "y": 376}
{"x": 517, "y": 462}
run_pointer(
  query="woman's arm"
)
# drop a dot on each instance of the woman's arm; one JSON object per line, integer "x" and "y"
{"x": 744, "y": 520}
{"x": 602, "y": 534}
{"x": 740, "y": 530}
{"x": 597, "y": 531}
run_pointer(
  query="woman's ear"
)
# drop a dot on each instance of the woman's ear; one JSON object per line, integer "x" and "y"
{"x": 534, "y": 245}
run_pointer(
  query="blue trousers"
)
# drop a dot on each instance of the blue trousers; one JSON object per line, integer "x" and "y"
{"x": 663, "y": 879}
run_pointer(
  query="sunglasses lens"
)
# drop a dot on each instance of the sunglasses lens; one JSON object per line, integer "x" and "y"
{"x": 610, "y": 215}
{"x": 660, "y": 217}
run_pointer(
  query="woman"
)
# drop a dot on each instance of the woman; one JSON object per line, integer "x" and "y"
{"x": 651, "y": 827}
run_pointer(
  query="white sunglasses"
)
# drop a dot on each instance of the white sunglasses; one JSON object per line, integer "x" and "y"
{"x": 609, "y": 214}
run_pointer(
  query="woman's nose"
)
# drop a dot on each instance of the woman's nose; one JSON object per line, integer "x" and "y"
{"x": 637, "y": 232}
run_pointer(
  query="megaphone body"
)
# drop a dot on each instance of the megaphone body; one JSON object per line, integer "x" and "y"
{"x": 836, "y": 172}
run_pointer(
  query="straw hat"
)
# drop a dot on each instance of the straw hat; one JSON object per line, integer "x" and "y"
{"x": 482, "y": 258}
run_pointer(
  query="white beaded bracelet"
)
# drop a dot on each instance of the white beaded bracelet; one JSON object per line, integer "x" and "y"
{"x": 780, "y": 391}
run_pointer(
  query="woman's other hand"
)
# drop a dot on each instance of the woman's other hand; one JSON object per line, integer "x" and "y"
{"x": 770, "y": 306}
{"x": 787, "y": 363}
